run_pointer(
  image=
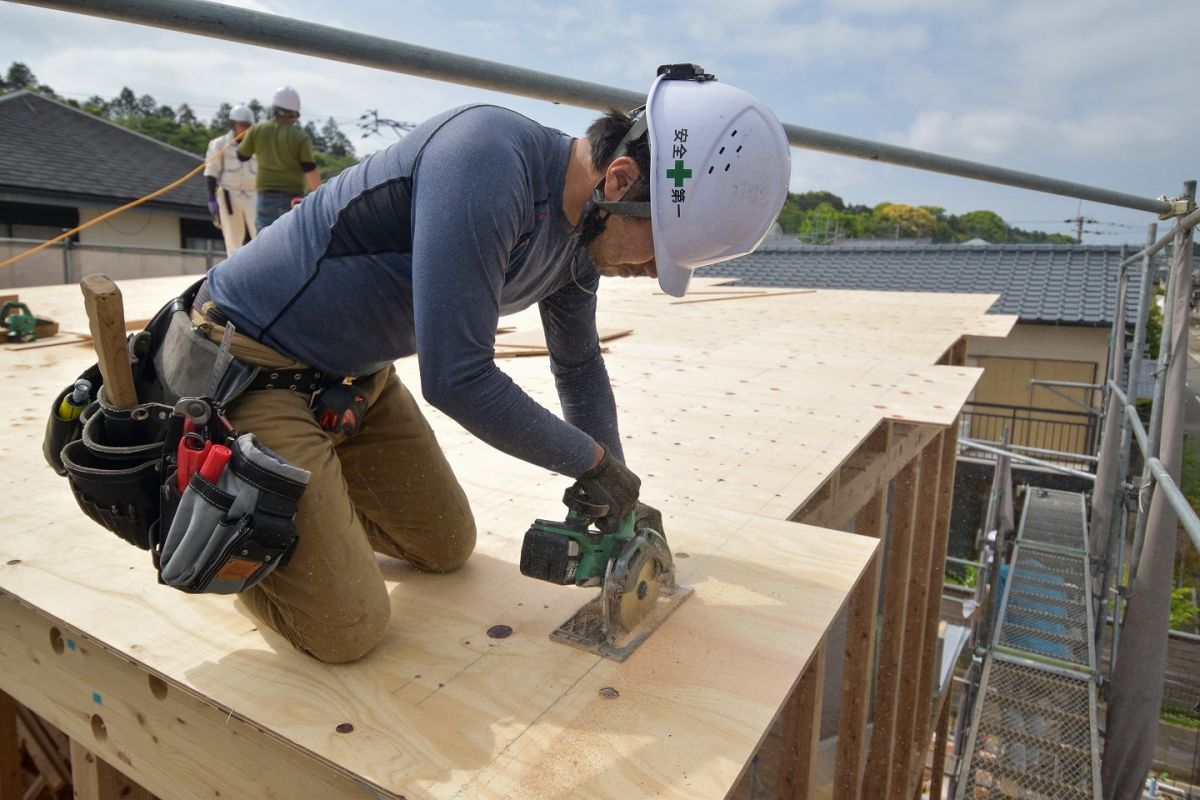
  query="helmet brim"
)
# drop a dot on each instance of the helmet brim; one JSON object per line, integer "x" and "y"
{"x": 672, "y": 278}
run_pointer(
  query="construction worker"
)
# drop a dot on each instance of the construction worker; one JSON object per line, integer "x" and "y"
{"x": 285, "y": 158}
{"x": 230, "y": 183}
{"x": 419, "y": 249}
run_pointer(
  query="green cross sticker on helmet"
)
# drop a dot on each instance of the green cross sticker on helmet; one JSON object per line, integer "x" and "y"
{"x": 737, "y": 172}
{"x": 679, "y": 174}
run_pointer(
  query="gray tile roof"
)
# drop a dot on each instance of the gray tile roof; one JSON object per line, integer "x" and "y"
{"x": 52, "y": 150}
{"x": 1055, "y": 284}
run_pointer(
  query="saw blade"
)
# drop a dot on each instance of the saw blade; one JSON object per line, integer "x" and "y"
{"x": 631, "y": 591}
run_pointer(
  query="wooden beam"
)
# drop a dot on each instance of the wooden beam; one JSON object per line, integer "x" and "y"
{"x": 867, "y": 472}
{"x": 858, "y": 665}
{"x": 920, "y": 588}
{"x": 939, "y": 752}
{"x": 891, "y": 646}
{"x": 93, "y": 779}
{"x": 42, "y": 750}
{"x": 802, "y": 732}
{"x": 11, "y": 777}
{"x": 945, "y": 497}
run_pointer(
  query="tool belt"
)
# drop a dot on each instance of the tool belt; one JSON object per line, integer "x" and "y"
{"x": 171, "y": 475}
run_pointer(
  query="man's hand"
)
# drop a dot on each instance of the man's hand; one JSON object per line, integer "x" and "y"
{"x": 611, "y": 483}
{"x": 645, "y": 516}
{"x": 214, "y": 212}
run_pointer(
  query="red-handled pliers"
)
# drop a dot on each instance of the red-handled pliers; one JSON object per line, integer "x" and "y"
{"x": 193, "y": 450}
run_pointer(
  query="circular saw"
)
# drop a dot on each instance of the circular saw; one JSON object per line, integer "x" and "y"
{"x": 632, "y": 566}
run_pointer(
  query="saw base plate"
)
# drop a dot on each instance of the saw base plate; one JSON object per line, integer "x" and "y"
{"x": 585, "y": 629}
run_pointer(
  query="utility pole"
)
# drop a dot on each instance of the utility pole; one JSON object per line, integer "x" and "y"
{"x": 1080, "y": 221}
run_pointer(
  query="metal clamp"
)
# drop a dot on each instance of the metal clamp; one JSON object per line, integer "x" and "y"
{"x": 1180, "y": 206}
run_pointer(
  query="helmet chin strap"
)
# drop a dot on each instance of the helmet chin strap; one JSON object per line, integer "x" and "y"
{"x": 597, "y": 210}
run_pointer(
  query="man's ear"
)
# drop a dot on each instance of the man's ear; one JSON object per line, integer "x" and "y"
{"x": 620, "y": 175}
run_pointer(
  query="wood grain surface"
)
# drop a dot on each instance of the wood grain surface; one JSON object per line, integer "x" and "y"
{"x": 732, "y": 414}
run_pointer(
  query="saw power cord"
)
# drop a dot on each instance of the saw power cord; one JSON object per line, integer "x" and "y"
{"x": 109, "y": 214}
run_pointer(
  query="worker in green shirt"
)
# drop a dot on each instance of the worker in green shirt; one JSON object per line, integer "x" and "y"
{"x": 285, "y": 158}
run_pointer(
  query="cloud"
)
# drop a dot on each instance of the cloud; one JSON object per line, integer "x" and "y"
{"x": 910, "y": 7}
{"x": 999, "y": 132}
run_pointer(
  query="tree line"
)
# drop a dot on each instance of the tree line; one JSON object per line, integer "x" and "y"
{"x": 822, "y": 218}
{"x": 181, "y": 127}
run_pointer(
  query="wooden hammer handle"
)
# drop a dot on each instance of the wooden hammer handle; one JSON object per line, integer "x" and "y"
{"x": 106, "y": 318}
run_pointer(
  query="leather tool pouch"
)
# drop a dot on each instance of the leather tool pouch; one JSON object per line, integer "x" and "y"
{"x": 122, "y": 463}
{"x": 113, "y": 468}
{"x": 226, "y": 535}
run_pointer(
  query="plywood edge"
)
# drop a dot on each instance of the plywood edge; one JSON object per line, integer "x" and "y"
{"x": 166, "y": 738}
{"x": 992, "y": 326}
{"x": 932, "y": 395}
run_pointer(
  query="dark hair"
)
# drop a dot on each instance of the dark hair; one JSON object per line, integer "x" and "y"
{"x": 605, "y": 134}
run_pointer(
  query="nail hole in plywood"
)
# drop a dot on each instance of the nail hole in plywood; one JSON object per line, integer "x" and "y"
{"x": 56, "y": 641}
{"x": 158, "y": 687}
{"x": 98, "y": 729}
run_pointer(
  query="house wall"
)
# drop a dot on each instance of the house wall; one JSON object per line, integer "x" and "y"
{"x": 1041, "y": 352}
{"x": 1058, "y": 342}
{"x": 135, "y": 227}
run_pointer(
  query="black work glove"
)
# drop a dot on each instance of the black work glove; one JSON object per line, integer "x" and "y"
{"x": 611, "y": 483}
{"x": 645, "y": 516}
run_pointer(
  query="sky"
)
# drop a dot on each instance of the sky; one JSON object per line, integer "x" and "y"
{"x": 1092, "y": 91}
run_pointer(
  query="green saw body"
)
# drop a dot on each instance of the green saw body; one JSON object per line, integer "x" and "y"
{"x": 633, "y": 566}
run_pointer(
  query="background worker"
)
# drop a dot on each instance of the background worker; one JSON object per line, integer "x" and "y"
{"x": 230, "y": 183}
{"x": 285, "y": 158}
{"x": 420, "y": 248}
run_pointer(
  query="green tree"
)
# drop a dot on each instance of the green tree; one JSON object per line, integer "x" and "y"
{"x": 336, "y": 143}
{"x": 1184, "y": 613}
{"x": 987, "y": 225}
{"x": 908, "y": 222}
{"x": 807, "y": 201}
{"x": 318, "y": 141}
{"x": 19, "y": 76}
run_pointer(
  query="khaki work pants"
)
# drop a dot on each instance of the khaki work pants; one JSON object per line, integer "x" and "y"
{"x": 388, "y": 489}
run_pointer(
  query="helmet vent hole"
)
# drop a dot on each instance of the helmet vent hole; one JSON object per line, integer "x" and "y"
{"x": 733, "y": 134}
{"x": 721, "y": 151}
{"x": 727, "y": 168}
{"x": 739, "y": 149}
{"x": 710, "y": 169}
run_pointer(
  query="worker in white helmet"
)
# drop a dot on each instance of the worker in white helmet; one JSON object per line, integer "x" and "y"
{"x": 231, "y": 183}
{"x": 286, "y": 165}
{"x": 419, "y": 249}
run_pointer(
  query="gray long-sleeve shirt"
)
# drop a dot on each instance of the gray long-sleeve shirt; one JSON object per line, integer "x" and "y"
{"x": 420, "y": 249}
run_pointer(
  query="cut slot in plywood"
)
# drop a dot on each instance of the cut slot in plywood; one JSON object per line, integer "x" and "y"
{"x": 733, "y": 415}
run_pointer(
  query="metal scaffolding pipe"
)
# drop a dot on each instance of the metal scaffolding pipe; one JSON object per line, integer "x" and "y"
{"x": 281, "y": 33}
{"x": 1179, "y": 503}
{"x": 1135, "y": 422}
{"x": 971, "y": 444}
{"x": 1190, "y": 221}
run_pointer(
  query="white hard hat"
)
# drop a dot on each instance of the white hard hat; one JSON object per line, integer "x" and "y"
{"x": 286, "y": 98}
{"x": 241, "y": 113}
{"x": 719, "y": 164}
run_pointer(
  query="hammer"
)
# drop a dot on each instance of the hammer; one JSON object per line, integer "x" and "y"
{"x": 106, "y": 318}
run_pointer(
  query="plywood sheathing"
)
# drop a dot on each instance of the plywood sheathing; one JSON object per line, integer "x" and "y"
{"x": 734, "y": 413}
